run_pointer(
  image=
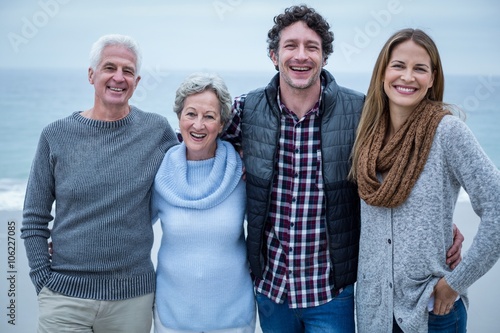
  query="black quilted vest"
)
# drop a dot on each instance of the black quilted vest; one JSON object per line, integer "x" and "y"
{"x": 340, "y": 111}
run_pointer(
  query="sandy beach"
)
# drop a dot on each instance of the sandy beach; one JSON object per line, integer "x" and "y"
{"x": 19, "y": 304}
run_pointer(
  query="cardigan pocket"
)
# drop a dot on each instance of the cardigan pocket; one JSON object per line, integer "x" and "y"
{"x": 413, "y": 289}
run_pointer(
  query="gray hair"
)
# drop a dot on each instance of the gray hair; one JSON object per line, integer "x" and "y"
{"x": 115, "y": 39}
{"x": 198, "y": 83}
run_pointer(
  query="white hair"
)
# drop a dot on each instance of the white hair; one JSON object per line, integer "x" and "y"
{"x": 115, "y": 39}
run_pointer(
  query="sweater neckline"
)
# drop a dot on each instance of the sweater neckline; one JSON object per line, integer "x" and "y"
{"x": 106, "y": 124}
{"x": 212, "y": 180}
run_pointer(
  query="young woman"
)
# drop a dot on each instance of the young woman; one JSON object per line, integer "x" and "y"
{"x": 410, "y": 158}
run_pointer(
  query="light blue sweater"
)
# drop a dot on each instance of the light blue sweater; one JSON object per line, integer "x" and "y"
{"x": 403, "y": 250}
{"x": 203, "y": 280}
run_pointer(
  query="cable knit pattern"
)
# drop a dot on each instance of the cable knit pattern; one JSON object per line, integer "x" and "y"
{"x": 203, "y": 279}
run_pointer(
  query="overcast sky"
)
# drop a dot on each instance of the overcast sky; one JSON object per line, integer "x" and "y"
{"x": 221, "y": 35}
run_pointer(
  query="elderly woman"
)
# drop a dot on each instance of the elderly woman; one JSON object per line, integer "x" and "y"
{"x": 203, "y": 280}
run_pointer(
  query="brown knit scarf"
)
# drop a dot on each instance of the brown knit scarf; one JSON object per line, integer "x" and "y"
{"x": 402, "y": 158}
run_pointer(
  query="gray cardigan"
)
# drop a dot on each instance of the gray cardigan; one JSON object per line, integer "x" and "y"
{"x": 403, "y": 250}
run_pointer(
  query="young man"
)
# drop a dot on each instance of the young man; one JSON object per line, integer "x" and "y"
{"x": 98, "y": 167}
{"x": 303, "y": 214}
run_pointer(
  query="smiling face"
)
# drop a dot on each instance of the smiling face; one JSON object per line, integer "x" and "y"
{"x": 299, "y": 58}
{"x": 200, "y": 124}
{"x": 408, "y": 76}
{"x": 115, "y": 78}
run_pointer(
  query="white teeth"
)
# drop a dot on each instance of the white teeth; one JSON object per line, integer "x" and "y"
{"x": 116, "y": 89}
{"x": 403, "y": 89}
{"x": 199, "y": 136}
{"x": 300, "y": 68}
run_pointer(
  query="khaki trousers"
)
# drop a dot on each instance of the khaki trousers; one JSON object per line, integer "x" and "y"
{"x": 60, "y": 313}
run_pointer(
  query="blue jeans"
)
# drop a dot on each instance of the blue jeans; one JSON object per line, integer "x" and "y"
{"x": 453, "y": 322}
{"x": 336, "y": 316}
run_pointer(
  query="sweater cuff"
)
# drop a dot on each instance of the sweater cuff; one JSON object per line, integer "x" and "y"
{"x": 37, "y": 251}
{"x": 40, "y": 277}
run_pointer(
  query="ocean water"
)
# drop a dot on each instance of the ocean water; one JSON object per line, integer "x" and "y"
{"x": 32, "y": 98}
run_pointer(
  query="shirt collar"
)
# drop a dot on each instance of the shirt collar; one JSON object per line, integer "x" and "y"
{"x": 315, "y": 108}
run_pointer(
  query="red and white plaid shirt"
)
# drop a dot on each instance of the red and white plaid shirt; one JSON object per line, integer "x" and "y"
{"x": 298, "y": 261}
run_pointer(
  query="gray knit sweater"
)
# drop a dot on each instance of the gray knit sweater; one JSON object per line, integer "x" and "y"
{"x": 403, "y": 250}
{"x": 99, "y": 174}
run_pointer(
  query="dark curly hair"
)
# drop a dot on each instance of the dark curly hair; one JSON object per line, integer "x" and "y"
{"x": 301, "y": 13}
